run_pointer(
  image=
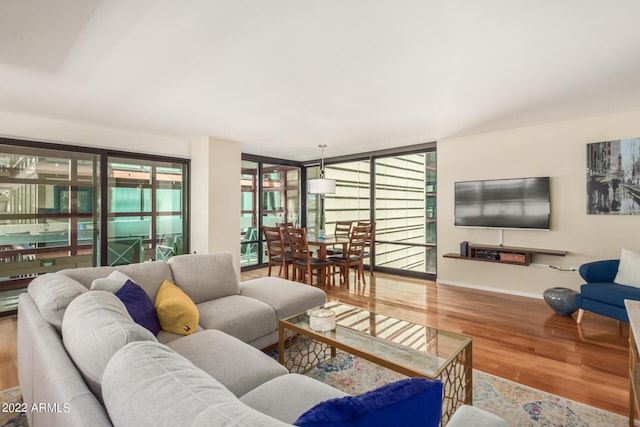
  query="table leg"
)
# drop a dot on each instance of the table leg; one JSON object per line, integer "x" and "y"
{"x": 281, "y": 345}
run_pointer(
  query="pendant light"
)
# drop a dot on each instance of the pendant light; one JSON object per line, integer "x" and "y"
{"x": 322, "y": 185}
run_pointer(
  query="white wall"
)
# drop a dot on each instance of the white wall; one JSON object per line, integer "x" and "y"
{"x": 557, "y": 150}
{"x": 89, "y": 135}
{"x": 215, "y": 196}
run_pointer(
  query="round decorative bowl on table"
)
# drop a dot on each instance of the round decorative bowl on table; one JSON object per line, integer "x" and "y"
{"x": 561, "y": 300}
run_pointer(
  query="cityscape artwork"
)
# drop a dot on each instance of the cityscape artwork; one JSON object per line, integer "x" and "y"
{"x": 613, "y": 177}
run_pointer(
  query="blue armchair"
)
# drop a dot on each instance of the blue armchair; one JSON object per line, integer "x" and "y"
{"x": 601, "y": 294}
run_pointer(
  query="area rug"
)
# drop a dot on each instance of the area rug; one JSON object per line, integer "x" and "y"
{"x": 10, "y": 400}
{"x": 519, "y": 405}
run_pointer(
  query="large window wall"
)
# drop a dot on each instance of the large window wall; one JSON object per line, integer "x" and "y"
{"x": 52, "y": 214}
{"x": 352, "y": 200}
{"x": 397, "y": 191}
{"x": 405, "y": 212}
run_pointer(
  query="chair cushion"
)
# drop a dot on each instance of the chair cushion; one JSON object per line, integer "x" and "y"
{"x": 337, "y": 259}
{"x": 315, "y": 262}
{"x": 629, "y": 269}
{"x": 205, "y": 277}
{"x": 139, "y": 306}
{"x": 95, "y": 326}
{"x": 176, "y": 311}
{"x": 408, "y": 402}
{"x": 609, "y": 293}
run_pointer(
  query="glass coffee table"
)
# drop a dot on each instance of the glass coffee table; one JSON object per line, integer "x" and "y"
{"x": 408, "y": 348}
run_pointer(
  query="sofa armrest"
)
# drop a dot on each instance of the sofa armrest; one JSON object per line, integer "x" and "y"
{"x": 600, "y": 271}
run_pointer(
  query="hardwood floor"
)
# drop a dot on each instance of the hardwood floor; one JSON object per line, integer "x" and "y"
{"x": 516, "y": 338}
{"x": 8, "y": 352}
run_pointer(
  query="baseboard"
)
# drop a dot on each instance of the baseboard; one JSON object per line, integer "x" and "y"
{"x": 488, "y": 289}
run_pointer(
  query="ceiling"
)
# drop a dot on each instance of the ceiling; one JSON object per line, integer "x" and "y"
{"x": 282, "y": 76}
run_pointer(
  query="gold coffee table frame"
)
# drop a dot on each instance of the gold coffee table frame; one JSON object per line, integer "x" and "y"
{"x": 408, "y": 348}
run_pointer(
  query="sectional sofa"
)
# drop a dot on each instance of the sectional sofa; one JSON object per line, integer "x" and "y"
{"x": 84, "y": 361}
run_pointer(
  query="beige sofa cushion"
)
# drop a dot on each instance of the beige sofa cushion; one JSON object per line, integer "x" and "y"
{"x": 148, "y": 384}
{"x": 300, "y": 393}
{"x": 205, "y": 277}
{"x": 52, "y": 293}
{"x": 242, "y": 317}
{"x": 149, "y": 275}
{"x": 286, "y": 297}
{"x": 95, "y": 326}
{"x": 237, "y": 365}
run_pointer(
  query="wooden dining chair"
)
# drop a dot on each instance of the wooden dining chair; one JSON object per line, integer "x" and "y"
{"x": 285, "y": 236}
{"x": 277, "y": 250}
{"x": 343, "y": 229}
{"x": 370, "y": 240}
{"x": 353, "y": 257}
{"x": 303, "y": 262}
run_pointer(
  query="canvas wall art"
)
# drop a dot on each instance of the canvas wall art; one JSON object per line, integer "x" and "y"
{"x": 613, "y": 177}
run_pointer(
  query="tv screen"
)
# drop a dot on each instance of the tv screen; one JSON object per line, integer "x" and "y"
{"x": 503, "y": 203}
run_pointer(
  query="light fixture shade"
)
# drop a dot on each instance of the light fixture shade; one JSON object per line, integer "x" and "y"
{"x": 322, "y": 186}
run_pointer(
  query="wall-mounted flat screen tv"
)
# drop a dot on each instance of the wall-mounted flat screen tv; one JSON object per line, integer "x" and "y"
{"x": 503, "y": 203}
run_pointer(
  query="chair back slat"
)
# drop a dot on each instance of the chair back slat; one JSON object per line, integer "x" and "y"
{"x": 358, "y": 241}
{"x": 275, "y": 241}
{"x": 343, "y": 228}
{"x": 299, "y": 243}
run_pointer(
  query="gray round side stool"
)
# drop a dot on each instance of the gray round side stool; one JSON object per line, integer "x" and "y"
{"x": 561, "y": 300}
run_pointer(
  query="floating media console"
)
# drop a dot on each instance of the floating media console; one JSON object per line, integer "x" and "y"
{"x": 503, "y": 254}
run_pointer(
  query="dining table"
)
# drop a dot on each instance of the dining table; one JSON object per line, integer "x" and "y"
{"x": 323, "y": 241}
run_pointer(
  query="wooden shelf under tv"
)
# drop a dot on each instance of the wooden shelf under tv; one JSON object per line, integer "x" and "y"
{"x": 503, "y": 254}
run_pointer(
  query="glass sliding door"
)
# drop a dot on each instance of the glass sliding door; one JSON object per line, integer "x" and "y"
{"x": 280, "y": 194}
{"x": 270, "y": 195}
{"x": 401, "y": 189}
{"x": 48, "y": 215}
{"x": 405, "y": 212}
{"x": 145, "y": 211}
{"x": 249, "y": 214}
{"x": 52, "y": 215}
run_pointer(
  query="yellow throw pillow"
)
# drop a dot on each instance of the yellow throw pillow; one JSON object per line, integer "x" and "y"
{"x": 176, "y": 311}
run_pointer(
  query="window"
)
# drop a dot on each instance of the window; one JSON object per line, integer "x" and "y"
{"x": 401, "y": 190}
{"x": 352, "y": 200}
{"x": 405, "y": 212}
{"x": 52, "y": 213}
{"x": 249, "y": 214}
{"x": 272, "y": 199}
{"x": 145, "y": 210}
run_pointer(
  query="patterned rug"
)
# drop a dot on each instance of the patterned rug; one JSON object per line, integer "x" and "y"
{"x": 11, "y": 399}
{"x": 521, "y": 406}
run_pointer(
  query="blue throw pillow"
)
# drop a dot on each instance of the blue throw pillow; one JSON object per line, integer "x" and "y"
{"x": 409, "y": 402}
{"x": 139, "y": 306}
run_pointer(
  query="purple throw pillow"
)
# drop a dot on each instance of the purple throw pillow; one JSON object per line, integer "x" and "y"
{"x": 139, "y": 306}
